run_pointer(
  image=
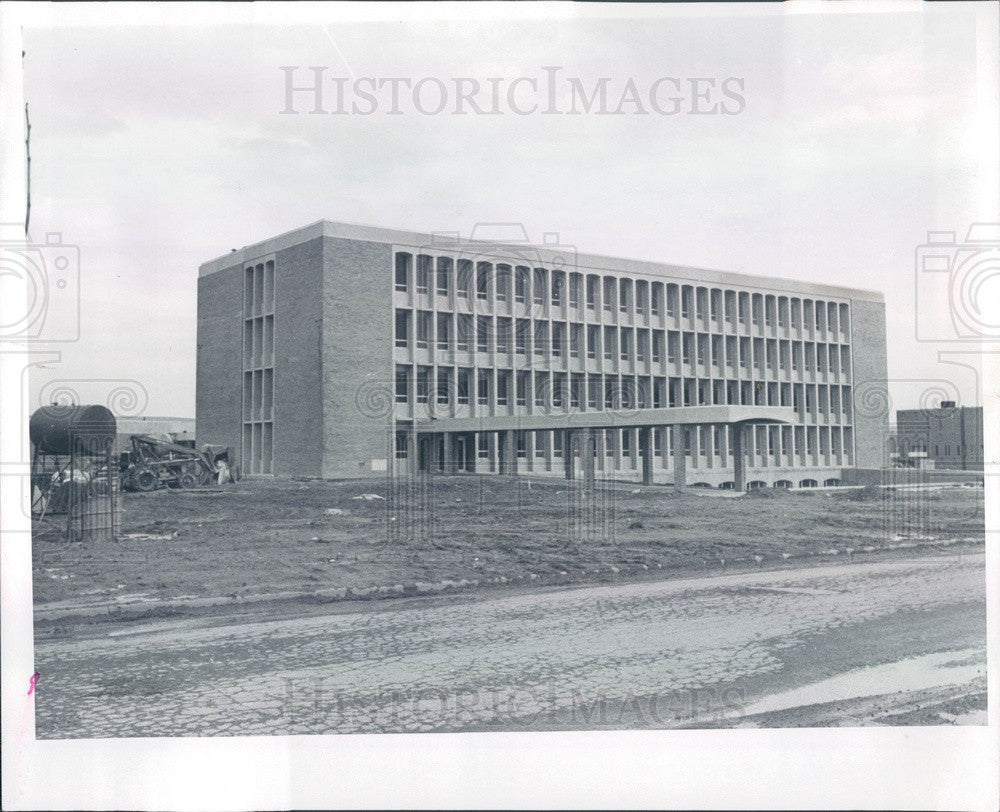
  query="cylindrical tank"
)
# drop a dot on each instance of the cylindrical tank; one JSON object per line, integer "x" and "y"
{"x": 59, "y": 429}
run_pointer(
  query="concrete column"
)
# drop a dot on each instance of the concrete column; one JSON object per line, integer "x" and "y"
{"x": 739, "y": 460}
{"x": 412, "y": 448}
{"x": 448, "y": 465}
{"x": 568, "y": 463}
{"x": 680, "y": 457}
{"x": 646, "y": 450}
{"x": 508, "y": 453}
{"x": 588, "y": 450}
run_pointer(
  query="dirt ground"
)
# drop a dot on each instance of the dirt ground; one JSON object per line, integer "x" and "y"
{"x": 376, "y": 539}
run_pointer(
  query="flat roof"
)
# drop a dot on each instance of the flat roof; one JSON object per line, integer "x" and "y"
{"x": 548, "y": 254}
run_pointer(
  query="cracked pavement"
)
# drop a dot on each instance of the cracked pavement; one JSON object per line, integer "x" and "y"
{"x": 654, "y": 654}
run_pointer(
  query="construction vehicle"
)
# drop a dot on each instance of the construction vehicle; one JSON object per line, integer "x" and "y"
{"x": 151, "y": 463}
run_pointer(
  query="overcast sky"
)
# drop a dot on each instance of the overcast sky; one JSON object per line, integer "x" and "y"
{"x": 154, "y": 150}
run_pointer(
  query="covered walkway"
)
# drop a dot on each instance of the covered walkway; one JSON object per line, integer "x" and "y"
{"x": 455, "y": 440}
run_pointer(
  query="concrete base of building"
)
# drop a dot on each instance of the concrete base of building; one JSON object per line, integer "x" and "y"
{"x": 719, "y": 478}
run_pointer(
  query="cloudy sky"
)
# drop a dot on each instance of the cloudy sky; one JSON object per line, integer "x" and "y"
{"x": 155, "y": 149}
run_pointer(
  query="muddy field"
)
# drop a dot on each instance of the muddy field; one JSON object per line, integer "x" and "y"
{"x": 370, "y": 539}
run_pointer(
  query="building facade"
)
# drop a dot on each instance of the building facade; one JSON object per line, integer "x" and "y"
{"x": 347, "y": 351}
{"x": 946, "y": 437}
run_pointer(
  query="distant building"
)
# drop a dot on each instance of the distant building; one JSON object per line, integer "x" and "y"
{"x": 342, "y": 351}
{"x": 947, "y": 437}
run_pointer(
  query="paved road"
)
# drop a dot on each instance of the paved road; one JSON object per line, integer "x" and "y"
{"x": 649, "y": 654}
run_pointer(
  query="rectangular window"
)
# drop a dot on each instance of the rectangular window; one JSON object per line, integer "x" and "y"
{"x": 593, "y": 387}
{"x": 402, "y": 384}
{"x": 464, "y": 385}
{"x": 503, "y": 335}
{"x": 522, "y": 444}
{"x": 464, "y": 277}
{"x": 540, "y": 444}
{"x": 541, "y": 337}
{"x": 522, "y": 388}
{"x": 658, "y": 337}
{"x": 574, "y": 290}
{"x": 609, "y": 343}
{"x": 558, "y": 390}
{"x": 443, "y": 276}
{"x": 463, "y": 338}
{"x": 444, "y": 331}
{"x": 503, "y": 283}
{"x": 403, "y": 264}
{"x": 540, "y": 283}
{"x": 483, "y": 281}
{"x": 557, "y": 444}
{"x": 558, "y": 339}
{"x": 591, "y": 292}
{"x": 625, "y": 344}
{"x": 400, "y": 445}
{"x": 521, "y": 284}
{"x": 483, "y": 445}
{"x": 443, "y": 386}
{"x": 592, "y": 337}
{"x": 402, "y": 327}
{"x": 483, "y": 333}
{"x": 521, "y": 337}
{"x": 575, "y": 385}
{"x": 609, "y": 294}
{"x": 503, "y": 388}
{"x": 423, "y": 273}
{"x": 483, "y": 387}
{"x": 557, "y": 289}
{"x": 541, "y": 387}
{"x": 424, "y": 326}
{"x": 575, "y": 340}
{"x": 423, "y": 384}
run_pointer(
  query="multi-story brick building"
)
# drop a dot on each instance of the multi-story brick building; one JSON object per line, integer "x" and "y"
{"x": 949, "y": 436}
{"x": 339, "y": 350}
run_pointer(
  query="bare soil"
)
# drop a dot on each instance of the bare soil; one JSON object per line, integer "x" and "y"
{"x": 273, "y": 537}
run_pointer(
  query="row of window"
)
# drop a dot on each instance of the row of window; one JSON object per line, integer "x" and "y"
{"x": 447, "y": 386}
{"x": 703, "y": 441}
{"x": 258, "y": 367}
{"x": 484, "y": 281}
{"x": 503, "y": 336}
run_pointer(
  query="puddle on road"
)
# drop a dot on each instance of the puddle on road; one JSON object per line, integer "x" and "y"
{"x": 913, "y": 674}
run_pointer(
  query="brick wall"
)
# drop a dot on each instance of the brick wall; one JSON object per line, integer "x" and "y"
{"x": 298, "y": 330}
{"x": 870, "y": 383}
{"x": 357, "y": 356}
{"x": 219, "y": 375}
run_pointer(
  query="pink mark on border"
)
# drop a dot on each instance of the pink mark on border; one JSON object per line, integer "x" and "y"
{"x": 33, "y": 681}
